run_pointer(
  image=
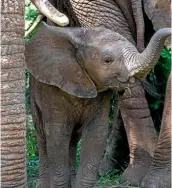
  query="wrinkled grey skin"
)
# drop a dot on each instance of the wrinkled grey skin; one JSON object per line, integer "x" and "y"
{"x": 13, "y": 115}
{"x": 159, "y": 174}
{"x": 68, "y": 67}
{"x": 124, "y": 17}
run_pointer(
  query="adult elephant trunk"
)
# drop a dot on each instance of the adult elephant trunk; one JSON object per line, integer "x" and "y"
{"x": 140, "y": 25}
{"x": 139, "y": 64}
{"x": 13, "y": 126}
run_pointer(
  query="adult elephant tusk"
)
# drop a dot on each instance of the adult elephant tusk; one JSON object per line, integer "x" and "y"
{"x": 34, "y": 25}
{"x": 45, "y": 7}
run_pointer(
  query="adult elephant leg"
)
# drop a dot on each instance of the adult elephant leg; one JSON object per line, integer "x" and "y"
{"x": 140, "y": 25}
{"x": 72, "y": 156}
{"x": 13, "y": 121}
{"x": 159, "y": 174}
{"x": 140, "y": 132}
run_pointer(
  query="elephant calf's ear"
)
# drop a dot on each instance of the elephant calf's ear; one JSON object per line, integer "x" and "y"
{"x": 50, "y": 57}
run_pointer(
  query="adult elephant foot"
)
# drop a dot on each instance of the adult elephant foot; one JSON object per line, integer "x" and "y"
{"x": 137, "y": 170}
{"x": 157, "y": 179}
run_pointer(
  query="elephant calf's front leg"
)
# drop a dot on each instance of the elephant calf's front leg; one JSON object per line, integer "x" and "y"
{"x": 58, "y": 154}
{"x": 93, "y": 145}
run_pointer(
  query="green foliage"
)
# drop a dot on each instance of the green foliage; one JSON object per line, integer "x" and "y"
{"x": 32, "y": 168}
{"x": 110, "y": 178}
{"x": 32, "y": 152}
{"x": 158, "y": 77}
{"x": 33, "y": 184}
{"x": 31, "y": 13}
{"x": 31, "y": 140}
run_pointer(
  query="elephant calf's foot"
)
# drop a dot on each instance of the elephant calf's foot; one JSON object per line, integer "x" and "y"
{"x": 134, "y": 174}
{"x": 157, "y": 179}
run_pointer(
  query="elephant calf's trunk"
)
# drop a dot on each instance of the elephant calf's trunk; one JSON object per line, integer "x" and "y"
{"x": 143, "y": 62}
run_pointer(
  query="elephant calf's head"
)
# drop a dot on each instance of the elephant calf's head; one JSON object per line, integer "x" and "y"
{"x": 83, "y": 61}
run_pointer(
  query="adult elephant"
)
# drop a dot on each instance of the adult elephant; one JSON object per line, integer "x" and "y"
{"x": 126, "y": 18}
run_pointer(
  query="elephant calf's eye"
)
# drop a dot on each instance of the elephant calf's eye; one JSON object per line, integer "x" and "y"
{"x": 108, "y": 60}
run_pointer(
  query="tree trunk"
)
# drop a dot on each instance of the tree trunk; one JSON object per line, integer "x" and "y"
{"x": 13, "y": 124}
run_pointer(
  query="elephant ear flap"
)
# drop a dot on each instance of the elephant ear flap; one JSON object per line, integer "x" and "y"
{"x": 51, "y": 58}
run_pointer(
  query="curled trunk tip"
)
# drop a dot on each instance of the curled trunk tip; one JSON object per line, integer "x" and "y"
{"x": 145, "y": 61}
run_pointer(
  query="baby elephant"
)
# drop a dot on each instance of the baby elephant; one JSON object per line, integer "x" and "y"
{"x": 74, "y": 71}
